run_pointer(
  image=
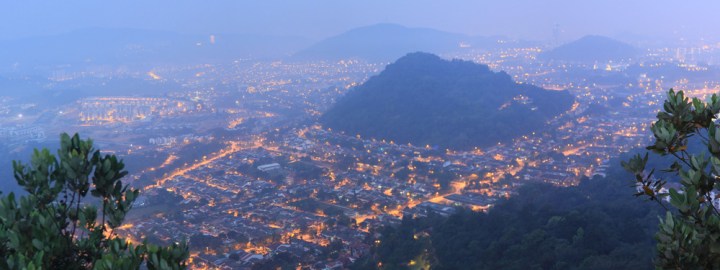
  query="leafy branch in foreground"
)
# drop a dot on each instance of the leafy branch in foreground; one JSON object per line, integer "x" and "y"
{"x": 57, "y": 226}
{"x": 689, "y": 234}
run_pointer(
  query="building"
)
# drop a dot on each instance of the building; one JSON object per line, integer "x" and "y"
{"x": 269, "y": 167}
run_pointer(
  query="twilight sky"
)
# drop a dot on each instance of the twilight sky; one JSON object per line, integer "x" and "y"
{"x": 528, "y": 19}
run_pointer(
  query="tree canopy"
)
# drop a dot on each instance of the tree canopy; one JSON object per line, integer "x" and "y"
{"x": 689, "y": 234}
{"x": 75, "y": 200}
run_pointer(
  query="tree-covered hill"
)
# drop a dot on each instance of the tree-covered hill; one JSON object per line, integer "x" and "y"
{"x": 425, "y": 100}
{"x": 596, "y": 225}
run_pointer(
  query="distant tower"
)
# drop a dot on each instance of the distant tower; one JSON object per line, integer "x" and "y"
{"x": 681, "y": 54}
{"x": 556, "y": 35}
{"x": 693, "y": 54}
{"x": 212, "y": 39}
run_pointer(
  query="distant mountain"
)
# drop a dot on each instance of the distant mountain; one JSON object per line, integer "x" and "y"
{"x": 425, "y": 100}
{"x": 591, "y": 49}
{"x": 387, "y": 42}
{"x": 131, "y": 46}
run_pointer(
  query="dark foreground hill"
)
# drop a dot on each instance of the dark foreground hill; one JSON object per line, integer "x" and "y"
{"x": 596, "y": 225}
{"x": 591, "y": 49}
{"x": 425, "y": 100}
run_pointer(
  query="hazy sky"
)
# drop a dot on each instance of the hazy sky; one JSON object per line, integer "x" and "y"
{"x": 529, "y": 19}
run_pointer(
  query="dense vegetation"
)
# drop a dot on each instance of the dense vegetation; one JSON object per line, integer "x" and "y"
{"x": 591, "y": 49}
{"x": 596, "y": 225}
{"x": 58, "y": 226}
{"x": 425, "y": 100}
{"x": 688, "y": 237}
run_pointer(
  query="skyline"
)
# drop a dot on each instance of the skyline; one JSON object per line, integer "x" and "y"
{"x": 522, "y": 19}
{"x": 321, "y": 135}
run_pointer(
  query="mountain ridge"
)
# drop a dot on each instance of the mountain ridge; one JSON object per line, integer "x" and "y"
{"x": 386, "y": 42}
{"x": 591, "y": 48}
{"x": 132, "y": 46}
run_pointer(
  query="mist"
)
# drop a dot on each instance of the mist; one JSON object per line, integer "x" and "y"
{"x": 379, "y": 134}
{"x": 317, "y": 19}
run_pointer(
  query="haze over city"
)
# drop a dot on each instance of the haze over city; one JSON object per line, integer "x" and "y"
{"x": 524, "y": 19}
{"x": 317, "y": 135}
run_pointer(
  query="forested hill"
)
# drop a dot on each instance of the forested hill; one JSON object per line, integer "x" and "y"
{"x": 596, "y": 225}
{"x": 425, "y": 100}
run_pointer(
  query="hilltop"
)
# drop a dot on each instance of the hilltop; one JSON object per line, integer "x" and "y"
{"x": 386, "y": 42}
{"x": 425, "y": 100}
{"x": 591, "y": 49}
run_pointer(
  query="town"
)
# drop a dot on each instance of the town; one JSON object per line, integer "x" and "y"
{"x": 231, "y": 157}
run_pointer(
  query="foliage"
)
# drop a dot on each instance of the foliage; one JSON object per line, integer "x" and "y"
{"x": 304, "y": 169}
{"x": 689, "y": 234}
{"x": 590, "y": 226}
{"x": 425, "y": 100}
{"x": 57, "y": 226}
